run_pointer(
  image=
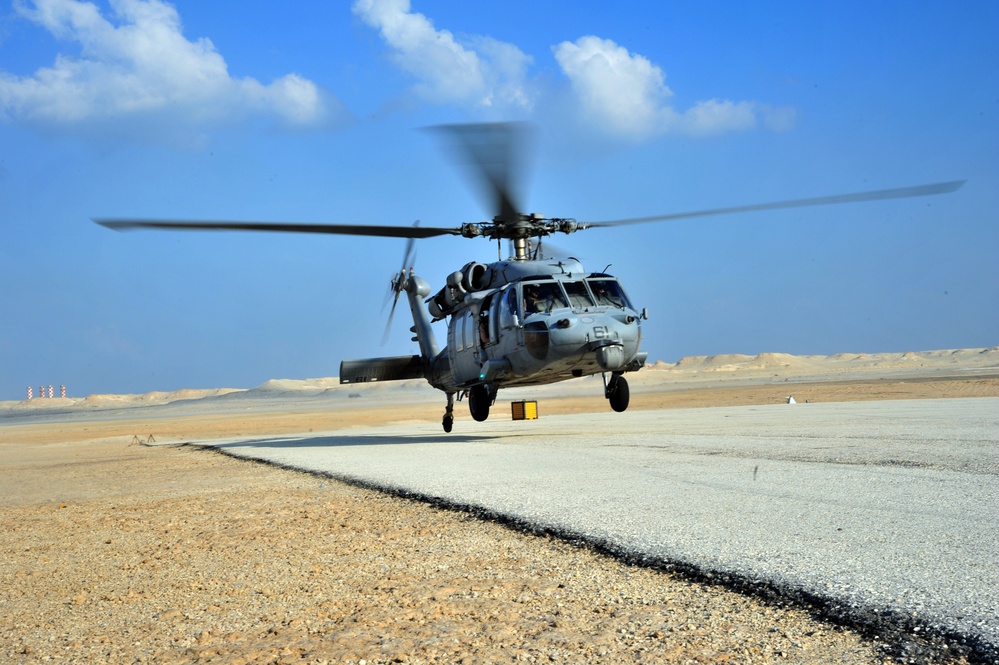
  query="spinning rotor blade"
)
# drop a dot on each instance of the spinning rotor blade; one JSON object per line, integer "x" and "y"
{"x": 388, "y": 324}
{"x": 876, "y": 195}
{"x": 119, "y": 224}
{"x": 409, "y": 256}
{"x": 495, "y": 152}
{"x": 399, "y": 281}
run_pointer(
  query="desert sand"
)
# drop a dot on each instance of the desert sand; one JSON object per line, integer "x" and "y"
{"x": 114, "y": 551}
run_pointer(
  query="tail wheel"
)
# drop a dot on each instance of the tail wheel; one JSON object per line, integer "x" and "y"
{"x": 618, "y": 393}
{"x": 479, "y": 401}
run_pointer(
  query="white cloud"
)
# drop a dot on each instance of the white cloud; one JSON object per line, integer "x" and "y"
{"x": 627, "y": 95}
{"x": 616, "y": 92}
{"x": 482, "y": 72}
{"x": 137, "y": 65}
{"x": 717, "y": 116}
{"x": 626, "y": 91}
{"x": 505, "y": 73}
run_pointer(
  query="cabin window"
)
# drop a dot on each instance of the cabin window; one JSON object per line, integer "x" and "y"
{"x": 578, "y": 296}
{"x": 486, "y": 335}
{"x": 458, "y": 330}
{"x": 608, "y": 293}
{"x": 469, "y": 330}
{"x": 542, "y": 297}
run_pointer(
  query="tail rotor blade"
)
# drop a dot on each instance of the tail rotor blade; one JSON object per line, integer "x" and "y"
{"x": 388, "y": 324}
{"x": 398, "y": 284}
{"x": 409, "y": 256}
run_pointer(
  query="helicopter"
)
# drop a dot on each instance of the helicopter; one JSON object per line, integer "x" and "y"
{"x": 525, "y": 320}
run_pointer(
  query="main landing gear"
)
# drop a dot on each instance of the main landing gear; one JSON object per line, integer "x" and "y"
{"x": 617, "y": 392}
{"x": 480, "y": 398}
{"x": 449, "y": 413}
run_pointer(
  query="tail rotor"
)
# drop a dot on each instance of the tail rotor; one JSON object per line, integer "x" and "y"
{"x": 398, "y": 283}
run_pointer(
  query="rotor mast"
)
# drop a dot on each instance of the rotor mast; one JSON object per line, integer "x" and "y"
{"x": 520, "y": 249}
{"x": 518, "y": 231}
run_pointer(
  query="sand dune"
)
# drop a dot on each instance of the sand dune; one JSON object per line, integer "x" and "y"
{"x": 968, "y": 358}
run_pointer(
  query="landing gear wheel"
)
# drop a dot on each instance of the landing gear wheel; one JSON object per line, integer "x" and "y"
{"x": 479, "y": 401}
{"x": 618, "y": 393}
{"x": 448, "y": 421}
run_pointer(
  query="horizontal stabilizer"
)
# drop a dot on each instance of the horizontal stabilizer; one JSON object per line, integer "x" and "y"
{"x": 397, "y": 368}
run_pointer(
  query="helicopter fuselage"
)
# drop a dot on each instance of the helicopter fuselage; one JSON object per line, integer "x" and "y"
{"x": 535, "y": 322}
{"x": 514, "y": 323}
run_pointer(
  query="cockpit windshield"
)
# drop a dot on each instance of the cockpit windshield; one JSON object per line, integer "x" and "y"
{"x": 542, "y": 297}
{"x": 578, "y": 295}
{"x": 609, "y": 293}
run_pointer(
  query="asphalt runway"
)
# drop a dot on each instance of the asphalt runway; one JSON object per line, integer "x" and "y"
{"x": 880, "y": 509}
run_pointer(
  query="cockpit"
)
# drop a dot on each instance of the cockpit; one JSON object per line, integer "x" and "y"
{"x": 544, "y": 296}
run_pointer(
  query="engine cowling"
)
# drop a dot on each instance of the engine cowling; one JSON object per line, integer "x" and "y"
{"x": 472, "y": 277}
{"x": 449, "y": 297}
{"x": 475, "y": 277}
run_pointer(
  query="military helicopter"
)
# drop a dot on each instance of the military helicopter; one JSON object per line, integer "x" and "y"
{"x": 527, "y": 320}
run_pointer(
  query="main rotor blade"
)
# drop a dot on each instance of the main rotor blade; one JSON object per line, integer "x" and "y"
{"x": 119, "y": 224}
{"x": 496, "y": 153}
{"x": 876, "y": 195}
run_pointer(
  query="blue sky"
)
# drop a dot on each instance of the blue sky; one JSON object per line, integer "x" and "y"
{"x": 311, "y": 112}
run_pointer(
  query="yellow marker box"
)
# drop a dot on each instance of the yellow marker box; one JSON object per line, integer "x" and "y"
{"x": 525, "y": 410}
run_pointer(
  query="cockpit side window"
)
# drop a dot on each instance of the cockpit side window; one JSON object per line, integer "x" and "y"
{"x": 609, "y": 293}
{"x": 507, "y": 308}
{"x": 577, "y": 294}
{"x": 542, "y": 297}
{"x": 510, "y": 301}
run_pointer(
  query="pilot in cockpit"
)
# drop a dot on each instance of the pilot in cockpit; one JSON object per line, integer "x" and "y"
{"x": 607, "y": 293}
{"x": 533, "y": 300}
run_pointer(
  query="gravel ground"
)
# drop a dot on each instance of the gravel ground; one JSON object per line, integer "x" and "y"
{"x": 179, "y": 555}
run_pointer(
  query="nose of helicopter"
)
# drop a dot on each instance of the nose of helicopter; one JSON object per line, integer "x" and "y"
{"x": 613, "y": 339}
